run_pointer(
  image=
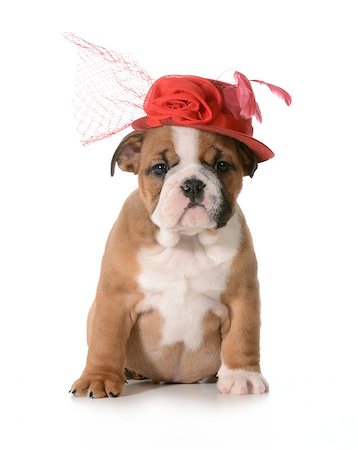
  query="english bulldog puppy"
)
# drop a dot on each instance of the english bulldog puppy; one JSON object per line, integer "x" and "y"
{"x": 178, "y": 295}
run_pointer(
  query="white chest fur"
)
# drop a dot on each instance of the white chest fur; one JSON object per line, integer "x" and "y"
{"x": 184, "y": 282}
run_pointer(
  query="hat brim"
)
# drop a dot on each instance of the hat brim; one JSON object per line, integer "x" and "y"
{"x": 261, "y": 151}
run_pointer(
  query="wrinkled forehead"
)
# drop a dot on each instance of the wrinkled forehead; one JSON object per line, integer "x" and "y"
{"x": 187, "y": 146}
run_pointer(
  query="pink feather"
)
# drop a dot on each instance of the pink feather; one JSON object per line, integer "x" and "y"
{"x": 258, "y": 114}
{"x": 245, "y": 96}
{"x": 284, "y": 95}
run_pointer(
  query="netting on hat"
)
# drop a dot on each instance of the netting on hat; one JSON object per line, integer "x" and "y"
{"x": 110, "y": 89}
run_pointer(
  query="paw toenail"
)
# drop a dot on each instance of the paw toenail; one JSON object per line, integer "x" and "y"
{"x": 91, "y": 394}
{"x": 113, "y": 395}
{"x": 73, "y": 392}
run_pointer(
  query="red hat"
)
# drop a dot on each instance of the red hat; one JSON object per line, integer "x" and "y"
{"x": 113, "y": 90}
{"x": 211, "y": 105}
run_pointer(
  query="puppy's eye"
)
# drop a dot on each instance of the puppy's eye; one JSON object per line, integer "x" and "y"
{"x": 160, "y": 169}
{"x": 222, "y": 166}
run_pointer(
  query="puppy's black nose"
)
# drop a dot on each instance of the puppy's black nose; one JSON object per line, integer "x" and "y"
{"x": 193, "y": 188}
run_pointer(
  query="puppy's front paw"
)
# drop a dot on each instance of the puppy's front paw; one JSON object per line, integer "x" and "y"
{"x": 98, "y": 385}
{"x": 239, "y": 381}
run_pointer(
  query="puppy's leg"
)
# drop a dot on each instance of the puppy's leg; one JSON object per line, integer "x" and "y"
{"x": 109, "y": 324}
{"x": 240, "y": 351}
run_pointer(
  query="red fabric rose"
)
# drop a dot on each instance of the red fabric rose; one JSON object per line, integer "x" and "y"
{"x": 185, "y": 100}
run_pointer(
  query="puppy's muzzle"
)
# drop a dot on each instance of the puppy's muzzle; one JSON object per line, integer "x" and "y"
{"x": 193, "y": 188}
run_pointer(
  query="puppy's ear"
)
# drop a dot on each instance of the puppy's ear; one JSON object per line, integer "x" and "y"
{"x": 127, "y": 155}
{"x": 248, "y": 158}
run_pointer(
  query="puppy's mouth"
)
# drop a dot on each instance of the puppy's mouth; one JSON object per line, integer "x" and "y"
{"x": 189, "y": 207}
{"x": 195, "y": 216}
{"x": 194, "y": 205}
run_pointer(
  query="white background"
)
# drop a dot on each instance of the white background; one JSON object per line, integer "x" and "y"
{"x": 58, "y": 203}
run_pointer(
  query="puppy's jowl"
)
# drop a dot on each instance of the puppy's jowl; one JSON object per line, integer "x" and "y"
{"x": 178, "y": 296}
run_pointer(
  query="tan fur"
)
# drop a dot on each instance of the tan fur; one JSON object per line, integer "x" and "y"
{"x": 118, "y": 337}
{"x": 146, "y": 356}
{"x": 241, "y": 344}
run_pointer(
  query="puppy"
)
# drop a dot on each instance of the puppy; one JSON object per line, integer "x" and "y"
{"x": 178, "y": 295}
